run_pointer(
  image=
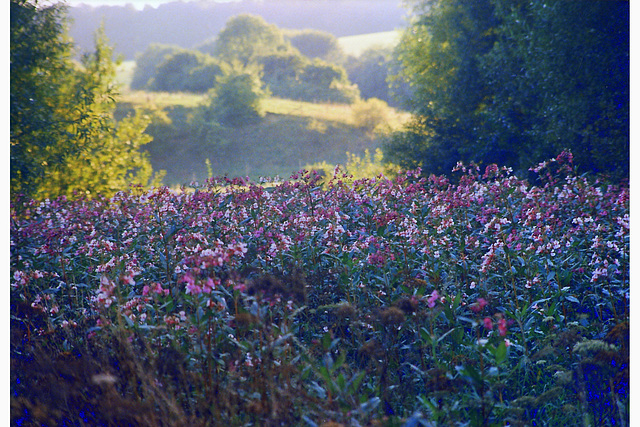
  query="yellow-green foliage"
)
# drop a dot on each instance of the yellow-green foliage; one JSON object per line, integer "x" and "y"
{"x": 370, "y": 115}
{"x": 367, "y": 166}
{"x": 75, "y": 146}
{"x": 111, "y": 162}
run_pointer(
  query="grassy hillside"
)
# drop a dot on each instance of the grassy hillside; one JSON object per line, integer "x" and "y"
{"x": 292, "y": 134}
{"x": 355, "y": 45}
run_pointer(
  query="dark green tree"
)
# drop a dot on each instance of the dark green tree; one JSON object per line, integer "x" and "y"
{"x": 516, "y": 82}
{"x": 237, "y": 97}
{"x": 560, "y": 73}
{"x": 186, "y": 70}
{"x": 440, "y": 54}
{"x": 63, "y": 135}
{"x": 147, "y": 64}
{"x": 39, "y": 60}
{"x": 317, "y": 44}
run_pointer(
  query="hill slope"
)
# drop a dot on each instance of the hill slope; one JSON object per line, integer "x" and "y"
{"x": 189, "y": 24}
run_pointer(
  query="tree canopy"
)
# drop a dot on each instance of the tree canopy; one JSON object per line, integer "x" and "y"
{"x": 317, "y": 44}
{"x": 63, "y": 136}
{"x": 515, "y": 82}
{"x": 244, "y": 37}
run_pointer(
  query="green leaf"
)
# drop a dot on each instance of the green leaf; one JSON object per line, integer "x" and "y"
{"x": 326, "y": 341}
{"x": 341, "y": 382}
{"x": 471, "y": 372}
{"x": 572, "y": 299}
{"x": 500, "y": 353}
{"x": 339, "y": 361}
{"x": 355, "y": 382}
{"x": 425, "y": 335}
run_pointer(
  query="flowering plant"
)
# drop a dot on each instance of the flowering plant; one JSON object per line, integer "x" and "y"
{"x": 346, "y": 300}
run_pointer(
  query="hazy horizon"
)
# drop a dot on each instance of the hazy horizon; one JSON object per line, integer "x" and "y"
{"x": 137, "y": 4}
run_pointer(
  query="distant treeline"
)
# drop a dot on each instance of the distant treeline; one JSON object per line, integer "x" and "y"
{"x": 189, "y": 24}
{"x": 306, "y": 65}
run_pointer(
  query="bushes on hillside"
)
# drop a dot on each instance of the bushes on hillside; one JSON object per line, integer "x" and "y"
{"x": 370, "y": 114}
{"x": 286, "y": 73}
{"x": 147, "y": 63}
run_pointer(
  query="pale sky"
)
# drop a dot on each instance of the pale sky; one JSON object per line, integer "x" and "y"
{"x": 138, "y": 4}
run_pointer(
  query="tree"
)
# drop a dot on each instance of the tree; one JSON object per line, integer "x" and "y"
{"x": 186, "y": 70}
{"x": 440, "y": 54}
{"x": 280, "y": 72}
{"x": 39, "y": 60}
{"x": 516, "y": 82}
{"x": 370, "y": 72}
{"x": 317, "y": 44}
{"x": 244, "y": 37}
{"x": 561, "y": 78}
{"x": 236, "y": 99}
{"x": 63, "y": 135}
{"x": 147, "y": 63}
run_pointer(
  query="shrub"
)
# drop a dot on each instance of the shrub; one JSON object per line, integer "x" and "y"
{"x": 370, "y": 114}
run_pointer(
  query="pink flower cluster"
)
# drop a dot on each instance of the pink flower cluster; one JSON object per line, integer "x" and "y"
{"x": 489, "y": 233}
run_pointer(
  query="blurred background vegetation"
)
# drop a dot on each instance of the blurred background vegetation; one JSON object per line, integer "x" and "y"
{"x": 490, "y": 81}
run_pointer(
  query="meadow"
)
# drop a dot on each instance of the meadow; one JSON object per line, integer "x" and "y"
{"x": 483, "y": 299}
{"x": 291, "y": 136}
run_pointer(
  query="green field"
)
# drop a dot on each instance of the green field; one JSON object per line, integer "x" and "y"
{"x": 355, "y": 45}
{"x": 292, "y": 135}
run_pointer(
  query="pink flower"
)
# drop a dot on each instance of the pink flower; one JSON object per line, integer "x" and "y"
{"x": 188, "y": 278}
{"x": 502, "y": 327}
{"x": 209, "y": 286}
{"x": 431, "y": 301}
{"x": 193, "y": 289}
{"x": 478, "y": 305}
{"x": 488, "y": 324}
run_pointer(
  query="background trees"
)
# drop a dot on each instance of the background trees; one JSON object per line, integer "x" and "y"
{"x": 440, "y": 55}
{"x": 250, "y": 42}
{"x": 147, "y": 63}
{"x": 62, "y": 132}
{"x": 561, "y": 76}
{"x": 244, "y": 37}
{"x": 235, "y": 101}
{"x": 317, "y": 44}
{"x": 514, "y": 82}
{"x": 186, "y": 71}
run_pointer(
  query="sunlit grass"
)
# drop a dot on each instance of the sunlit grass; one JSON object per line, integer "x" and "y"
{"x": 355, "y": 45}
{"x": 162, "y": 99}
{"x": 341, "y": 113}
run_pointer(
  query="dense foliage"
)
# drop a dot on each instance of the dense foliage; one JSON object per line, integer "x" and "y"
{"x": 513, "y": 81}
{"x": 186, "y": 71}
{"x": 147, "y": 63}
{"x": 317, "y": 44}
{"x": 480, "y": 300}
{"x": 236, "y": 98}
{"x": 62, "y": 132}
{"x": 372, "y": 71}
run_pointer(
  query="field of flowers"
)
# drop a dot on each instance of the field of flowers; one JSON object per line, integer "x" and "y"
{"x": 481, "y": 300}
